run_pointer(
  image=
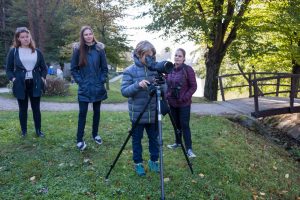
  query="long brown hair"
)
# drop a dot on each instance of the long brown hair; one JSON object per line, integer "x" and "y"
{"x": 82, "y": 48}
{"x": 17, "y": 43}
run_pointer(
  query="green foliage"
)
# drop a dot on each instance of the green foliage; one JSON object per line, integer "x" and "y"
{"x": 231, "y": 163}
{"x": 56, "y": 87}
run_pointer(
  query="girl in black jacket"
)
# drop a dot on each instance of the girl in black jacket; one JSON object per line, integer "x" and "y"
{"x": 27, "y": 70}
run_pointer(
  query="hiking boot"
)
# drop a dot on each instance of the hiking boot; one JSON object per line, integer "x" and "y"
{"x": 98, "y": 139}
{"x": 139, "y": 169}
{"x": 190, "y": 154}
{"x": 153, "y": 166}
{"x": 173, "y": 146}
{"x": 81, "y": 145}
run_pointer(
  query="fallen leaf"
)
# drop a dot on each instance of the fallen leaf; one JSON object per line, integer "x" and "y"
{"x": 201, "y": 175}
{"x": 287, "y": 176}
{"x": 283, "y": 192}
{"x": 262, "y": 193}
{"x": 166, "y": 179}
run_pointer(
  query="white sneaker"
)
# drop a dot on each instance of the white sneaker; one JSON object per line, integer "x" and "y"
{"x": 190, "y": 154}
{"x": 98, "y": 139}
{"x": 81, "y": 145}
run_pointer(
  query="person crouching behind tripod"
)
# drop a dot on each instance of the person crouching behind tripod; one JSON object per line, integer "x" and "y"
{"x": 134, "y": 87}
{"x": 181, "y": 86}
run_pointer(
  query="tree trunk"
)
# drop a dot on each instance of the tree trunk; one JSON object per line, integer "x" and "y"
{"x": 213, "y": 62}
{"x": 41, "y": 11}
{"x": 31, "y": 19}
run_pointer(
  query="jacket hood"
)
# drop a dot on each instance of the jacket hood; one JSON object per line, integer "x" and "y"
{"x": 137, "y": 61}
{"x": 98, "y": 45}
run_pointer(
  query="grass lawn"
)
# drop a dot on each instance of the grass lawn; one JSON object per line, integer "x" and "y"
{"x": 231, "y": 163}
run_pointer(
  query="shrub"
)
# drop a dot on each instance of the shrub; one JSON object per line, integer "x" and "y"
{"x": 56, "y": 87}
{"x": 3, "y": 80}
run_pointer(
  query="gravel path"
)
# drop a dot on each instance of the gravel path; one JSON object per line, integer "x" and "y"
{"x": 202, "y": 109}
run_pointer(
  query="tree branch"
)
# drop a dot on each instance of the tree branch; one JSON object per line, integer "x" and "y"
{"x": 237, "y": 23}
{"x": 229, "y": 14}
{"x": 202, "y": 13}
{"x": 218, "y": 25}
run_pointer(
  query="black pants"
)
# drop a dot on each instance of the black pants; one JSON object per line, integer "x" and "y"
{"x": 83, "y": 108}
{"x": 181, "y": 116}
{"x": 35, "y": 106}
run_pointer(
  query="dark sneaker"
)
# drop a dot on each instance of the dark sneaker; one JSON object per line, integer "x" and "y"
{"x": 98, "y": 139}
{"x": 139, "y": 169}
{"x": 153, "y": 166}
{"x": 40, "y": 134}
{"x": 81, "y": 145}
{"x": 24, "y": 134}
{"x": 190, "y": 154}
{"x": 173, "y": 146}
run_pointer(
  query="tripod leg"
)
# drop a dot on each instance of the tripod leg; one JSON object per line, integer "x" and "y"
{"x": 128, "y": 137}
{"x": 179, "y": 136}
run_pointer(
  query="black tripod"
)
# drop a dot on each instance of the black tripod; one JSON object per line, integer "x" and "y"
{"x": 155, "y": 90}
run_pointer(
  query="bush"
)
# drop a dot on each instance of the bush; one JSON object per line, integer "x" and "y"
{"x": 3, "y": 80}
{"x": 56, "y": 87}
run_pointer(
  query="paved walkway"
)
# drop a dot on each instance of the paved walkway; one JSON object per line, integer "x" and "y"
{"x": 202, "y": 109}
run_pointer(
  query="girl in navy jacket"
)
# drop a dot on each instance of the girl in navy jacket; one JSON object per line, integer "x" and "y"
{"x": 89, "y": 70}
{"x": 27, "y": 70}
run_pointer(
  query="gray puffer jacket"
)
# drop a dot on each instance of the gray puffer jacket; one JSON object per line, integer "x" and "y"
{"x": 137, "y": 96}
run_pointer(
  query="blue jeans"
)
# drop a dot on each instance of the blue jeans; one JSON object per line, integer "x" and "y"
{"x": 181, "y": 117}
{"x": 35, "y": 106}
{"x": 83, "y": 108}
{"x": 137, "y": 136}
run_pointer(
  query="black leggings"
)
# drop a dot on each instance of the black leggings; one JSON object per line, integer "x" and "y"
{"x": 35, "y": 106}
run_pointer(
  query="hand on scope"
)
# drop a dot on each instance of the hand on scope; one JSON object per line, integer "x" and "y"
{"x": 144, "y": 83}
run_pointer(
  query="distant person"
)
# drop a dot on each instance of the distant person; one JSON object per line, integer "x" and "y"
{"x": 27, "y": 70}
{"x": 89, "y": 70}
{"x": 50, "y": 69}
{"x": 134, "y": 87}
{"x": 181, "y": 86}
{"x": 59, "y": 73}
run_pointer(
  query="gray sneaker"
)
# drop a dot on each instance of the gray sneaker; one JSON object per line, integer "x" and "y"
{"x": 173, "y": 146}
{"x": 190, "y": 154}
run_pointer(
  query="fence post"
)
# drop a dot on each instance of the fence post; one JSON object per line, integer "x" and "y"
{"x": 277, "y": 86}
{"x": 221, "y": 88}
{"x": 250, "y": 84}
{"x": 292, "y": 94}
{"x": 256, "y": 96}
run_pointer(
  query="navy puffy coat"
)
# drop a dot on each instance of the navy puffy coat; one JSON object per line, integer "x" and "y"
{"x": 15, "y": 69}
{"x": 90, "y": 78}
{"x": 137, "y": 96}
